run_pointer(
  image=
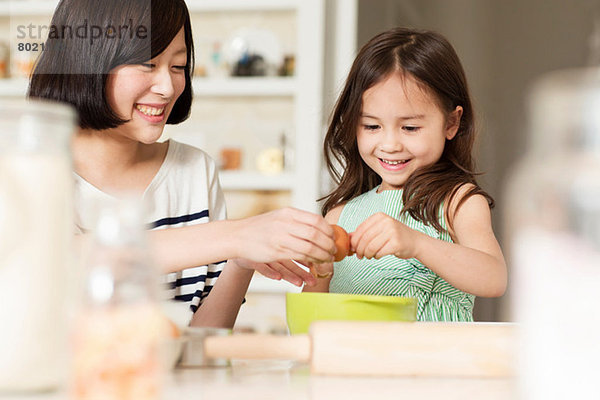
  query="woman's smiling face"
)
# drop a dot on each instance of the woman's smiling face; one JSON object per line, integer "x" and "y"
{"x": 402, "y": 128}
{"x": 144, "y": 94}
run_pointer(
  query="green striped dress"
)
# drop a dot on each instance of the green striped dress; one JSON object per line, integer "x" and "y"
{"x": 392, "y": 276}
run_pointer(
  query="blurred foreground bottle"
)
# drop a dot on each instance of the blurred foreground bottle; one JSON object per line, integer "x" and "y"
{"x": 119, "y": 329}
{"x": 553, "y": 209}
{"x": 36, "y": 231}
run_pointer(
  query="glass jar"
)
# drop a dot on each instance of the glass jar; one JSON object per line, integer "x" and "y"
{"x": 120, "y": 329}
{"x": 553, "y": 223}
{"x": 36, "y": 230}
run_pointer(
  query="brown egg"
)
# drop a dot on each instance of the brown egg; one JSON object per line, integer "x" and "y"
{"x": 342, "y": 242}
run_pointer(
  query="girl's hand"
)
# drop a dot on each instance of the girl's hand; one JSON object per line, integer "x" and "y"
{"x": 381, "y": 235}
{"x": 286, "y": 234}
{"x": 286, "y": 270}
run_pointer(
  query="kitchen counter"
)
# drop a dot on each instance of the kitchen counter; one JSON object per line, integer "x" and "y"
{"x": 265, "y": 380}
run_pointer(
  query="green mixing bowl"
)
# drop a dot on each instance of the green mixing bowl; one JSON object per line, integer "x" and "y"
{"x": 304, "y": 308}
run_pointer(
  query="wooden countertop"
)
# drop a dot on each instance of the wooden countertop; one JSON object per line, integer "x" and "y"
{"x": 287, "y": 380}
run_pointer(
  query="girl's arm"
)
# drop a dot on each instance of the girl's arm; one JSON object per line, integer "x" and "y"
{"x": 474, "y": 263}
{"x": 283, "y": 234}
{"x": 322, "y": 284}
{"x": 221, "y": 306}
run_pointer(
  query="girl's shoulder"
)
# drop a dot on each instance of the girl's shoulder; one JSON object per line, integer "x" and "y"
{"x": 465, "y": 197}
{"x": 333, "y": 215}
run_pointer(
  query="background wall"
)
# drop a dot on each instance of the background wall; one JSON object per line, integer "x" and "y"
{"x": 504, "y": 45}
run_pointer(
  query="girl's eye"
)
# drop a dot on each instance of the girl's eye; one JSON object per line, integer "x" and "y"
{"x": 410, "y": 128}
{"x": 371, "y": 127}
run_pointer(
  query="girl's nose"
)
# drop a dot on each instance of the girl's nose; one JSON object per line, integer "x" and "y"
{"x": 163, "y": 83}
{"x": 391, "y": 141}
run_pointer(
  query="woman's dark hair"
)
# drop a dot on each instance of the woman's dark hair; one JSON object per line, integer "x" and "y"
{"x": 88, "y": 38}
{"x": 430, "y": 59}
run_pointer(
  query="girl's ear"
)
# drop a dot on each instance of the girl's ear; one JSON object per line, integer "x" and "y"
{"x": 453, "y": 122}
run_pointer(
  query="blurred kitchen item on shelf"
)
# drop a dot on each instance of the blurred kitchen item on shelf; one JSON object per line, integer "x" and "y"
{"x": 120, "y": 328}
{"x": 253, "y": 52}
{"x": 368, "y": 348}
{"x": 553, "y": 226}
{"x": 200, "y": 70}
{"x": 288, "y": 66}
{"x": 4, "y": 60}
{"x": 250, "y": 65}
{"x": 231, "y": 158}
{"x": 193, "y": 355}
{"x": 302, "y": 309}
{"x": 36, "y": 231}
{"x": 270, "y": 161}
{"x": 217, "y": 65}
{"x": 288, "y": 152}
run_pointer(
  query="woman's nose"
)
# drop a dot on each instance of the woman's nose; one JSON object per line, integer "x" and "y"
{"x": 163, "y": 83}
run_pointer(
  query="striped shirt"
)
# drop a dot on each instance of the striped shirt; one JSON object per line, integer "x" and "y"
{"x": 392, "y": 276}
{"x": 185, "y": 191}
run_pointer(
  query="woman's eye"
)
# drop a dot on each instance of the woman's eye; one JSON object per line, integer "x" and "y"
{"x": 147, "y": 65}
{"x": 411, "y": 128}
{"x": 180, "y": 67}
{"x": 371, "y": 127}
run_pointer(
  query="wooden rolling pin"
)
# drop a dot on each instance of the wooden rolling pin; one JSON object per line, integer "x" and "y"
{"x": 384, "y": 348}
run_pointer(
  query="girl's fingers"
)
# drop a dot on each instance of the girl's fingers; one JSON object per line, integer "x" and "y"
{"x": 366, "y": 243}
{"x": 375, "y": 245}
{"x": 357, "y": 238}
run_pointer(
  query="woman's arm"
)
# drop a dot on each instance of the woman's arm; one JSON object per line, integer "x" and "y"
{"x": 283, "y": 234}
{"x": 474, "y": 263}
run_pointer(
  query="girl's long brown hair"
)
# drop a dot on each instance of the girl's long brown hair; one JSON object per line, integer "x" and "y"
{"x": 430, "y": 59}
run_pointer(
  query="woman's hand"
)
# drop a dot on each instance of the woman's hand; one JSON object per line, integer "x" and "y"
{"x": 285, "y": 234}
{"x": 287, "y": 270}
{"x": 381, "y": 235}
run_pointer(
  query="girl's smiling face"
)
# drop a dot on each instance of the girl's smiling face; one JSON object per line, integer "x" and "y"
{"x": 144, "y": 94}
{"x": 402, "y": 128}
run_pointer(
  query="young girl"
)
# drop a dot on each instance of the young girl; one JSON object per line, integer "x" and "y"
{"x": 126, "y": 67}
{"x": 403, "y": 130}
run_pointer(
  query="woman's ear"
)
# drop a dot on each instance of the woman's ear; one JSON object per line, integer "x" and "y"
{"x": 453, "y": 122}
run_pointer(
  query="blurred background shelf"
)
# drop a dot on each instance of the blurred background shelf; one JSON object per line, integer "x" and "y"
{"x": 252, "y": 86}
{"x": 13, "y": 87}
{"x": 248, "y": 180}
